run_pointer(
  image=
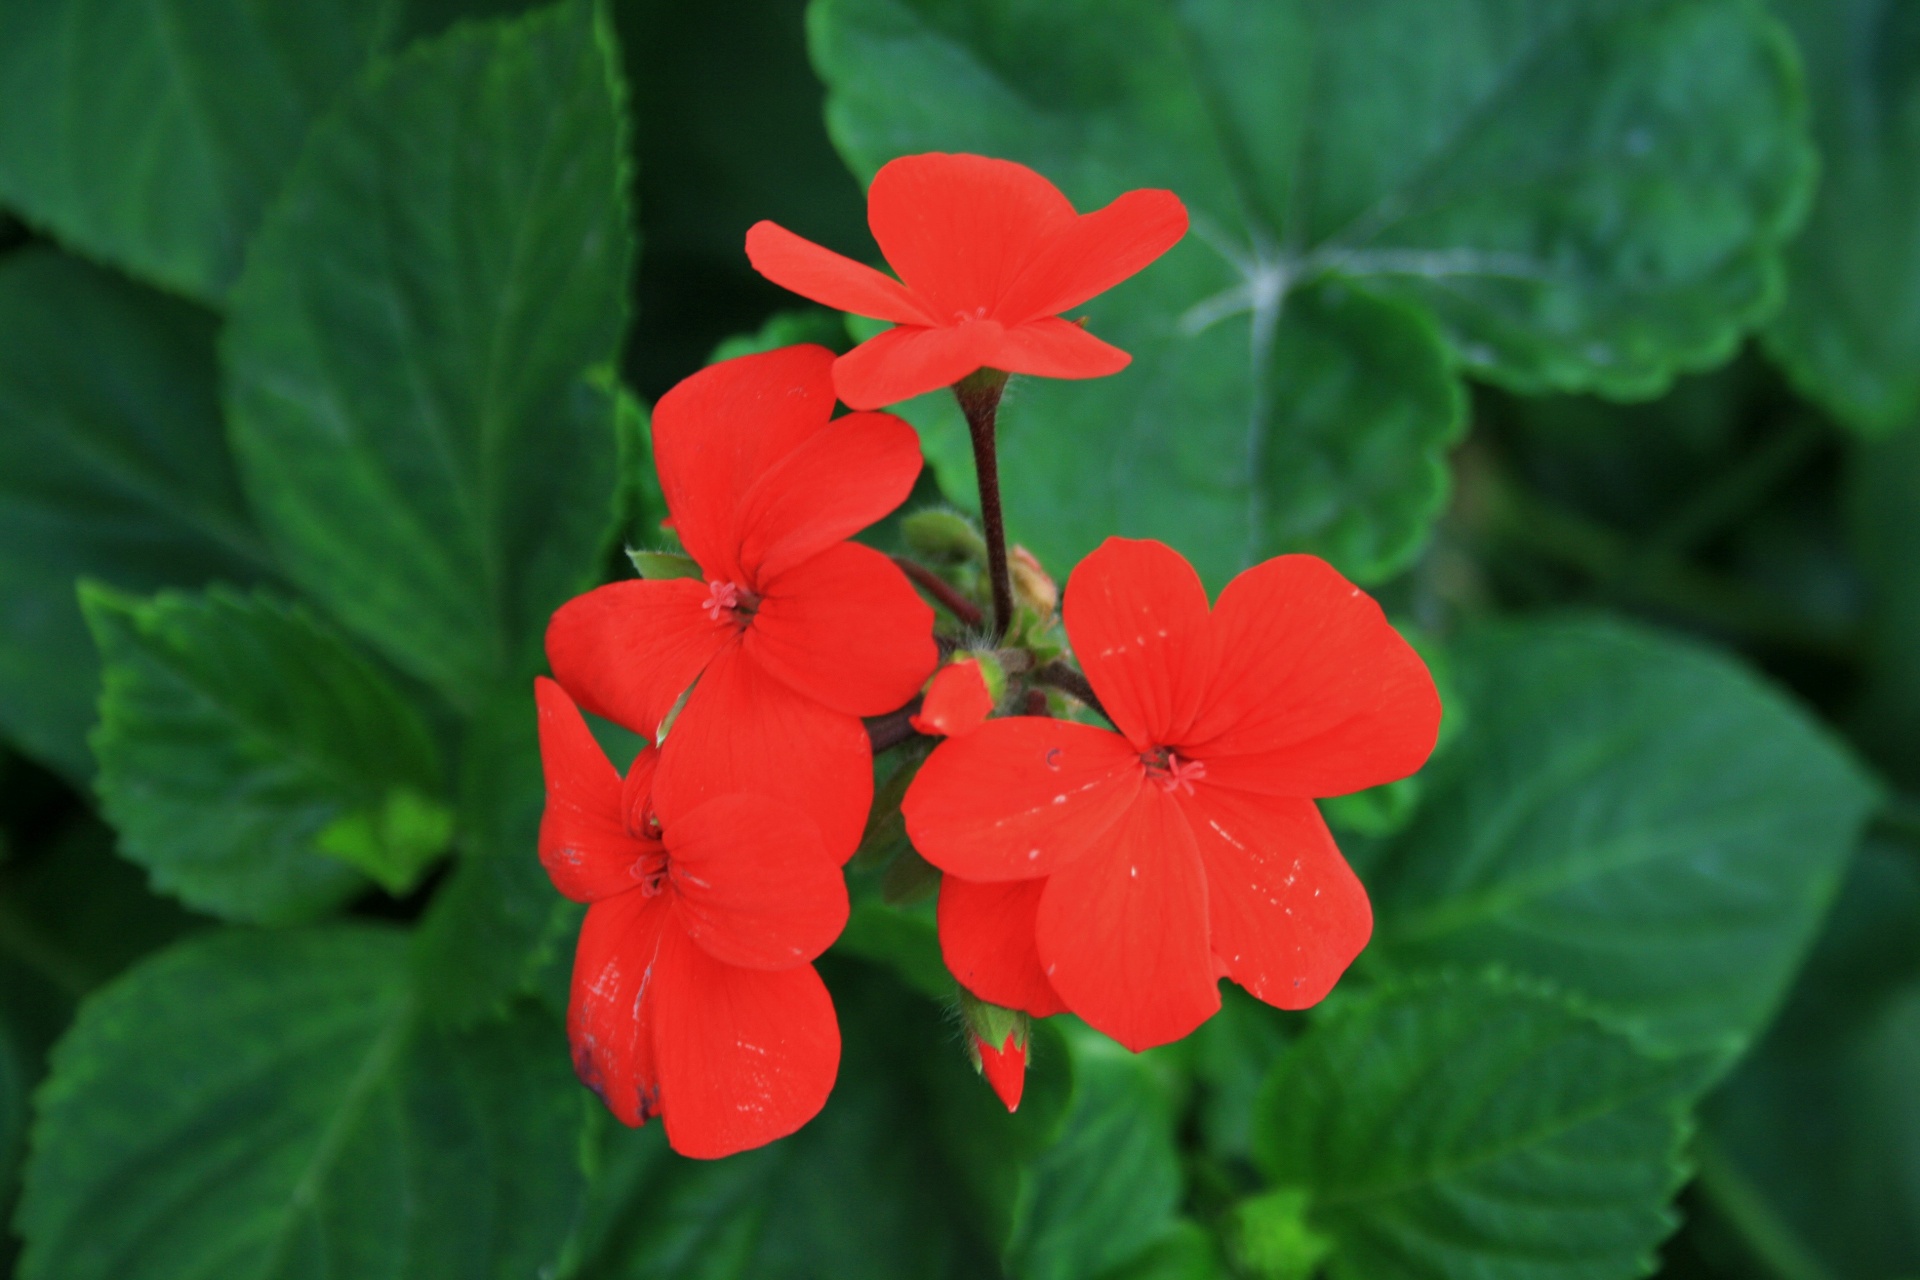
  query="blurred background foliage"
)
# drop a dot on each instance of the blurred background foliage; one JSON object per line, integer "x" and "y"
{"x": 1587, "y": 334}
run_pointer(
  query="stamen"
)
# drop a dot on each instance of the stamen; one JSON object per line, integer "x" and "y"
{"x": 722, "y": 599}
{"x": 1171, "y": 772}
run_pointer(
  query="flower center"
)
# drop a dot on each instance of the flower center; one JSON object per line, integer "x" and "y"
{"x": 729, "y": 601}
{"x": 1171, "y": 772}
{"x": 650, "y": 870}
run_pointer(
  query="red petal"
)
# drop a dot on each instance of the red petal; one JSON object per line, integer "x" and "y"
{"x": 1288, "y": 913}
{"x": 839, "y": 481}
{"x": 584, "y": 843}
{"x": 1137, "y": 616}
{"x": 1056, "y": 348}
{"x": 1095, "y": 253}
{"x": 717, "y": 431}
{"x": 1019, "y": 797}
{"x": 1122, "y": 932}
{"x": 908, "y": 361}
{"x": 744, "y": 731}
{"x": 958, "y": 701}
{"x": 745, "y": 1055}
{"x": 752, "y": 882}
{"x": 846, "y": 629}
{"x": 1314, "y": 693}
{"x": 1005, "y": 1069}
{"x": 986, "y": 938}
{"x": 828, "y": 278}
{"x": 629, "y": 650}
{"x": 608, "y": 1020}
{"x": 959, "y": 229}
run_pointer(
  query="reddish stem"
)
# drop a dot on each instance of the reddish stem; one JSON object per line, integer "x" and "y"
{"x": 979, "y": 397}
{"x": 942, "y": 590}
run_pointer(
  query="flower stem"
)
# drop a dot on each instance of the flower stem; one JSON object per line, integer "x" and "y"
{"x": 979, "y": 397}
{"x": 1067, "y": 680}
{"x": 940, "y": 589}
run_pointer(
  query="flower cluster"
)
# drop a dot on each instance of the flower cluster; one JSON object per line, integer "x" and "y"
{"x": 1113, "y": 838}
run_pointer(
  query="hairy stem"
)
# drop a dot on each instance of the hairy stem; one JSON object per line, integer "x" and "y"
{"x": 940, "y": 589}
{"x": 979, "y": 397}
{"x": 1067, "y": 680}
{"x": 890, "y": 730}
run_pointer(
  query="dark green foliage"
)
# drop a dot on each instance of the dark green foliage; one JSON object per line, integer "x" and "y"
{"x": 321, "y": 327}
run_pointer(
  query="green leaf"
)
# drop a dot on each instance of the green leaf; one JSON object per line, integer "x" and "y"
{"x": 859, "y": 1194}
{"x": 268, "y": 1105}
{"x": 411, "y": 406}
{"x": 241, "y": 743}
{"x": 152, "y": 133}
{"x": 495, "y": 928}
{"x": 112, "y": 466}
{"x": 1638, "y": 819}
{"x": 1186, "y": 1253}
{"x": 1478, "y": 1128}
{"x": 1574, "y": 196}
{"x": 1849, "y": 334}
{"x": 1810, "y": 1153}
{"x": 1109, "y": 1186}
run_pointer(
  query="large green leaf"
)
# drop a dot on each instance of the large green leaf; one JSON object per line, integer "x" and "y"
{"x": 1577, "y": 196}
{"x": 409, "y": 347}
{"x": 1638, "y": 819}
{"x": 1477, "y": 1129}
{"x": 268, "y": 1105}
{"x": 112, "y": 466}
{"x": 861, "y": 1193}
{"x": 1811, "y": 1150}
{"x": 251, "y": 760}
{"x": 1849, "y": 335}
{"x": 152, "y": 133}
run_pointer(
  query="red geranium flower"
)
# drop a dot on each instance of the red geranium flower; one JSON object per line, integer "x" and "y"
{"x": 795, "y": 633}
{"x": 694, "y": 998}
{"x": 1122, "y": 874}
{"x": 1005, "y": 1068}
{"x": 958, "y": 700}
{"x": 989, "y": 254}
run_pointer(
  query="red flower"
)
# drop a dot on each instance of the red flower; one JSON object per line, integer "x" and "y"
{"x": 1122, "y": 874}
{"x": 989, "y": 254}
{"x": 1005, "y": 1068}
{"x": 958, "y": 701}
{"x": 693, "y": 996}
{"x": 795, "y": 633}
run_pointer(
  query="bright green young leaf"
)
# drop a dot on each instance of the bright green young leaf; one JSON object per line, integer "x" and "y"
{"x": 1883, "y": 497}
{"x": 1479, "y": 1130}
{"x": 1185, "y": 1253}
{"x": 268, "y": 1105}
{"x": 1575, "y": 196}
{"x": 112, "y": 466}
{"x": 153, "y": 133}
{"x": 1810, "y": 1153}
{"x": 410, "y": 406}
{"x": 252, "y": 761}
{"x": 859, "y": 1193}
{"x": 1639, "y": 820}
{"x": 1849, "y": 334}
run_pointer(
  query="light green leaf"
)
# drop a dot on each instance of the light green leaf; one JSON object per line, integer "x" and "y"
{"x": 112, "y": 466}
{"x": 1478, "y": 1129}
{"x": 1638, "y": 819}
{"x": 1849, "y": 334}
{"x": 268, "y": 1105}
{"x": 152, "y": 133}
{"x": 241, "y": 742}
{"x": 411, "y": 407}
{"x": 1577, "y": 196}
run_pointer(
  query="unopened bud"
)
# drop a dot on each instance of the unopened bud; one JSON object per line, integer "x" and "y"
{"x": 997, "y": 1043}
{"x": 1031, "y": 585}
{"x": 943, "y": 536}
{"x": 962, "y": 695}
{"x": 654, "y": 565}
